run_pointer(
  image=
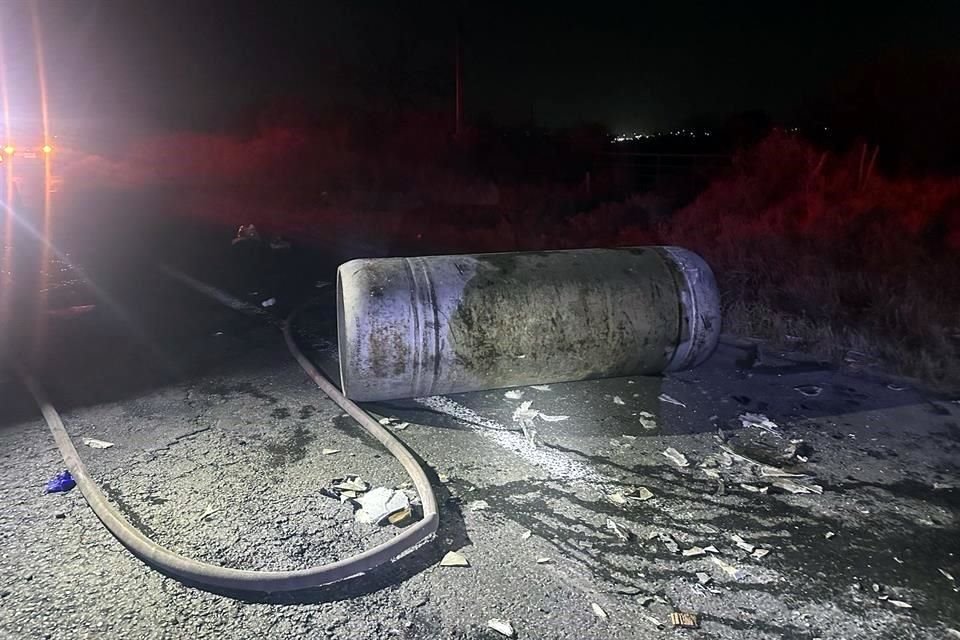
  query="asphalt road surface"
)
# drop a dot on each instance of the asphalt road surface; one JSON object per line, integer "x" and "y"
{"x": 218, "y": 453}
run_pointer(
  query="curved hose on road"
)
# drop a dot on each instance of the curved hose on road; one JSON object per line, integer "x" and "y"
{"x": 209, "y": 575}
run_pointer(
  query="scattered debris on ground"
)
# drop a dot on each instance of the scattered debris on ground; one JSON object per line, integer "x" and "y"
{"x": 598, "y": 611}
{"x": 669, "y": 542}
{"x": 400, "y": 517}
{"x": 61, "y": 483}
{"x": 727, "y": 568}
{"x": 619, "y": 530}
{"x": 393, "y": 423}
{"x": 329, "y": 452}
{"x": 809, "y": 390}
{"x": 621, "y": 498}
{"x": 209, "y": 511}
{"x": 93, "y": 443}
{"x": 454, "y": 559}
{"x": 541, "y": 387}
{"x": 478, "y": 505}
{"x": 683, "y": 620}
{"x": 377, "y": 505}
{"x": 799, "y": 450}
{"x": 526, "y": 535}
{"x": 513, "y": 394}
{"x": 676, "y": 457}
{"x": 618, "y": 400}
{"x": 743, "y": 544}
{"x": 760, "y": 421}
{"x": 269, "y": 302}
{"x": 524, "y": 415}
{"x": 346, "y": 488}
{"x": 503, "y": 627}
{"x": 647, "y": 420}
{"x": 665, "y": 398}
{"x": 544, "y": 560}
{"x": 791, "y": 486}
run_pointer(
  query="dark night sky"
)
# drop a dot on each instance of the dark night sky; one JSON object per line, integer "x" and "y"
{"x": 636, "y": 65}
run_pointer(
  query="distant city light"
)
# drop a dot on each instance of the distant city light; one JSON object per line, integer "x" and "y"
{"x": 636, "y": 136}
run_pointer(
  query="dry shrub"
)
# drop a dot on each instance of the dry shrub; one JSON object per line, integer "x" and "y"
{"x": 806, "y": 243}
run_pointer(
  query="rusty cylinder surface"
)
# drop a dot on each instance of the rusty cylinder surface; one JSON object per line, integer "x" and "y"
{"x": 411, "y": 327}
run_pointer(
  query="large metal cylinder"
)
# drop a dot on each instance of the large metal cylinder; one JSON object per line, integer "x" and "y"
{"x": 411, "y": 327}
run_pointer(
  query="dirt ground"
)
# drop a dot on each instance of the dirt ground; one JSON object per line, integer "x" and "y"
{"x": 218, "y": 439}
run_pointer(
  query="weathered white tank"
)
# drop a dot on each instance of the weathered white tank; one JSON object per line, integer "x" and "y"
{"x": 411, "y": 327}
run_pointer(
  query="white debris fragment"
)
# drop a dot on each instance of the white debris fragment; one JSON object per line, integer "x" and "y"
{"x": 209, "y": 511}
{"x": 378, "y": 504}
{"x": 618, "y": 400}
{"x": 547, "y": 418}
{"x": 753, "y": 488}
{"x": 711, "y": 549}
{"x": 269, "y": 302}
{"x": 665, "y": 398}
{"x": 350, "y": 485}
{"x": 513, "y": 394}
{"x": 544, "y": 560}
{"x": 743, "y": 544}
{"x": 759, "y": 553}
{"x": 900, "y": 604}
{"x": 694, "y": 552}
{"x": 795, "y": 487}
{"x": 541, "y": 387}
{"x": 648, "y": 420}
{"x": 598, "y": 611}
{"x": 953, "y": 633}
{"x": 329, "y": 452}
{"x": 760, "y": 421}
{"x": 502, "y": 627}
{"x": 946, "y": 575}
{"x": 478, "y": 505}
{"x": 809, "y": 390}
{"x": 639, "y": 493}
{"x": 617, "y": 498}
{"x": 526, "y": 535}
{"x": 93, "y": 443}
{"x": 829, "y": 534}
{"x": 728, "y": 569}
{"x": 676, "y": 457}
{"x": 618, "y": 530}
{"x": 454, "y": 559}
{"x": 703, "y": 578}
{"x": 669, "y": 542}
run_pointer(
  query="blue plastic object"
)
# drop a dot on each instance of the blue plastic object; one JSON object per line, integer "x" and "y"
{"x": 61, "y": 483}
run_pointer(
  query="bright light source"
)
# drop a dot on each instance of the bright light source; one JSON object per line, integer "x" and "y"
{"x": 8, "y": 150}
{"x": 47, "y": 148}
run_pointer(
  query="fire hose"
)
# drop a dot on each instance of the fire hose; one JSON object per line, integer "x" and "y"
{"x": 210, "y": 575}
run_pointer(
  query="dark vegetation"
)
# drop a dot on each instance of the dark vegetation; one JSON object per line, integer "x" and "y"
{"x": 817, "y": 245}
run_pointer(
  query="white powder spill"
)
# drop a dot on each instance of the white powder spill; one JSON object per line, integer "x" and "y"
{"x": 558, "y": 465}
